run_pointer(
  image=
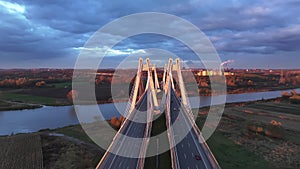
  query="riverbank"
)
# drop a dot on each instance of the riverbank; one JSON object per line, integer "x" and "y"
{"x": 9, "y": 105}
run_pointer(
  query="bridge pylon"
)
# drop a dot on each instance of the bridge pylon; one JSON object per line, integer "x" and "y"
{"x": 151, "y": 85}
{"x": 136, "y": 85}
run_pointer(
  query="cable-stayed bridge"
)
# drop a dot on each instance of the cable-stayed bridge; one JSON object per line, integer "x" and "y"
{"x": 187, "y": 151}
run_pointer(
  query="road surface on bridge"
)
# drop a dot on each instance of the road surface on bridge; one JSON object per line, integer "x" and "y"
{"x": 189, "y": 150}
{"x": 121, "y": 145}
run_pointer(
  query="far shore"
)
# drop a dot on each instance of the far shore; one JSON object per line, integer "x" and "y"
{"x": 9, "y": 104}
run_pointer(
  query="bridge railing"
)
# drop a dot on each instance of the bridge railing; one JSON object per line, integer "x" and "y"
{"x": 113, "y": 140}
{"x": 129, "y": 103}
{"x": 213, "y": 162}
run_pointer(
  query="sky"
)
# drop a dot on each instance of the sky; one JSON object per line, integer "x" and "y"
{"x": 50, "y": 34}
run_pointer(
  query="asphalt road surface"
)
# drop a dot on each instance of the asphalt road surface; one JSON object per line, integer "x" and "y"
{"x": 123, "y": 145}
{"x": 189, "y": 152}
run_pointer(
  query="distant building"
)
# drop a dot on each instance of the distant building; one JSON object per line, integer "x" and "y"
{"x": 214, "y": 73}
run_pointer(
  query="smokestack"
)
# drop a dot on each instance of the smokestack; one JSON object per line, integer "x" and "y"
{"x": 223, "y": 63}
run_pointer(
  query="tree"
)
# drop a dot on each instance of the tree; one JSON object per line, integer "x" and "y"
{"x": 73, "y": 94}
{"x": 40, "y": 84}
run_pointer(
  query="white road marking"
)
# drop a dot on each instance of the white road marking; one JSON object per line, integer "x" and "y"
{"x": 184, "y": 155}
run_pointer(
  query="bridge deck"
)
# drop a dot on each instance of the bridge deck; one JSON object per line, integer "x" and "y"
{"x": 121, "y": 145}
{"x": 189, "y": 151}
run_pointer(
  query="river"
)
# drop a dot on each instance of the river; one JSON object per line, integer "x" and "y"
{"x": 24, "y": 121}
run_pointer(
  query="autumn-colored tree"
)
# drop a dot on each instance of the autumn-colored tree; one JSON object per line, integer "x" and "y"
{"x": 121, "y": 118}
{"x": 73, "y": 94}
{"x": 113, "y": 121}
{"x": 275, "y": 123}
{"x": 40, "y": 84}
{"x": 8, "y": 83}
{"x": 117, "y": 124}
{"x": 21, "y": 82}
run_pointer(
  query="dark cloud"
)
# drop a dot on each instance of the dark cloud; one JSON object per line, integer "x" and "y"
{"x": 50, "y": 31}
{"x": 269, "y": 41}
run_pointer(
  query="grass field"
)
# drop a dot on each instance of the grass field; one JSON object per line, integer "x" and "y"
{"x": 293, "y": 137}
{"x": 230, "y": 155}
{"x": 61, "y": 85}
{"x": 74, "y": 131}
{"x": 31, "y": 99}
{"x": 62, "y": 153}
{"x": 235, "y": 146}
{"x": 277, "y": 107}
